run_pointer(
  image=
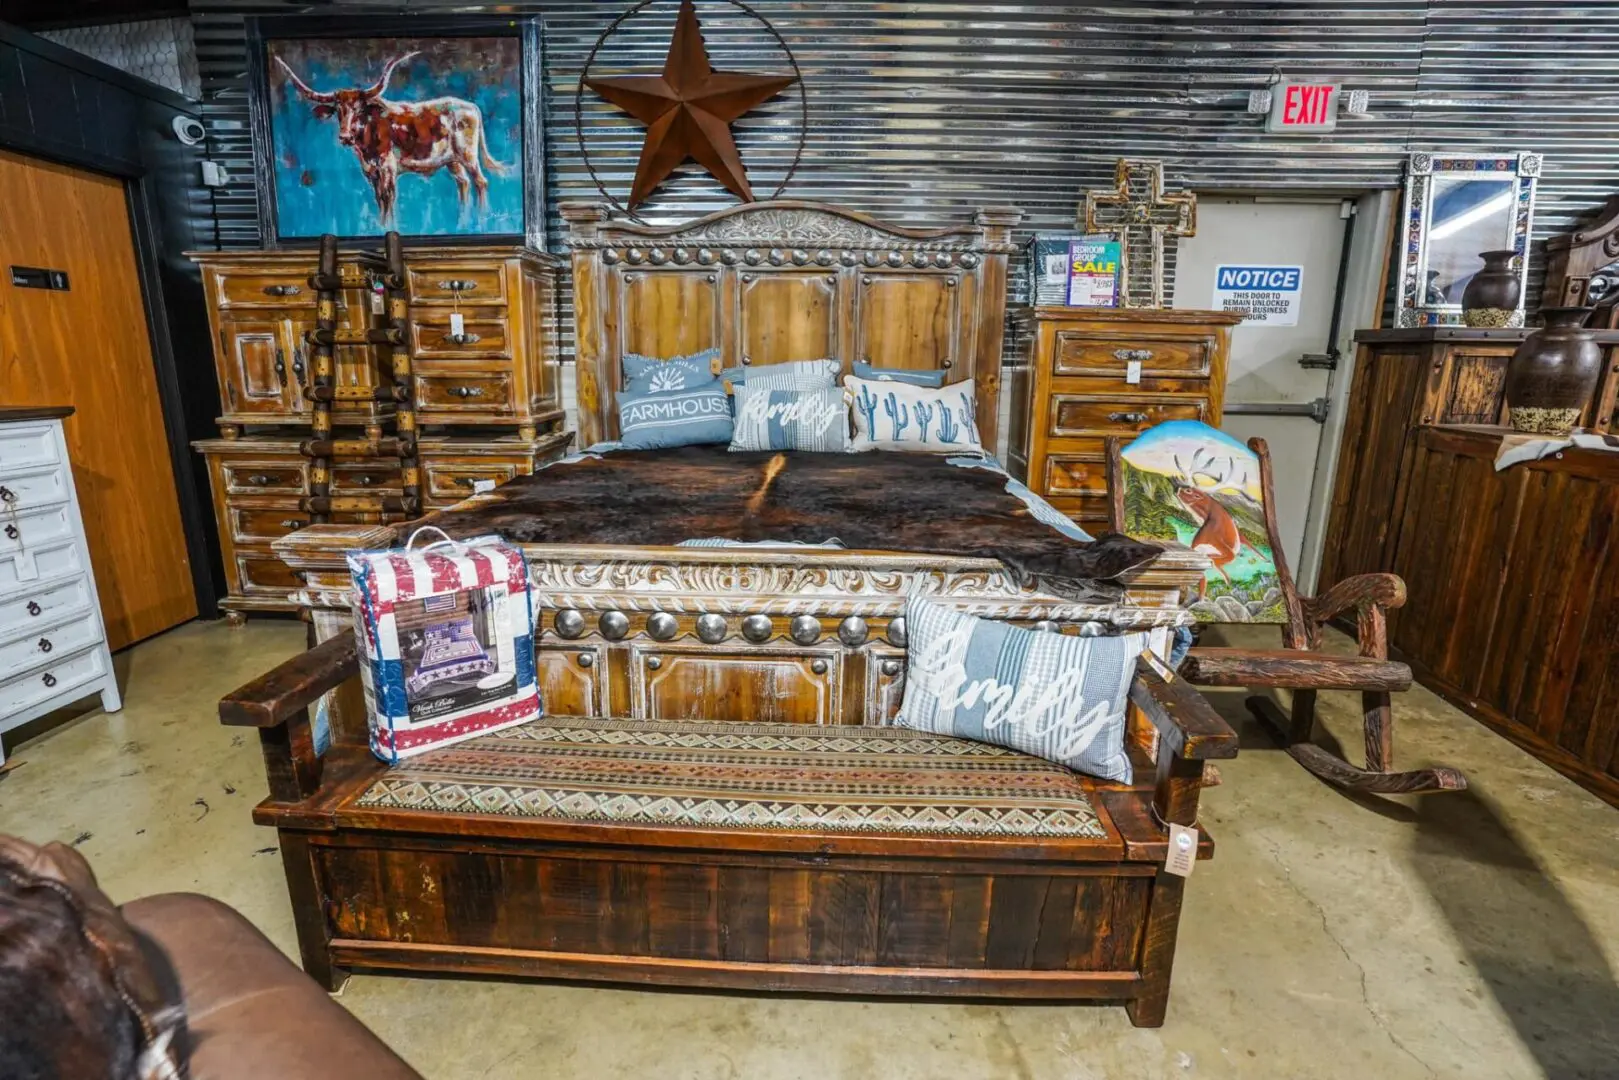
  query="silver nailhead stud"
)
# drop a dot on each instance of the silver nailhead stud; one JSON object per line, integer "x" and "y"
{"x": 1046, "y": 626}
{"x": 890, "y": 667}
{"x": 756, "y": 628}
{"x": 662, "y": 625}
{"x": 853, "y": 630}
{"x": 569, "y": 623}
{"x": 805, "y": 629}
{"x": 711, "y": 628}
{"x": 896, "y": 631}
{"x": 614, "y": 624}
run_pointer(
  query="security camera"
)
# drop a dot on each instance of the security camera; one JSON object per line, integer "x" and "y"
{"x": 189, "y": 130}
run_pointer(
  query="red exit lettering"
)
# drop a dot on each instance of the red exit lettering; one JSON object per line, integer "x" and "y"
{"x": 1306, "y": 105}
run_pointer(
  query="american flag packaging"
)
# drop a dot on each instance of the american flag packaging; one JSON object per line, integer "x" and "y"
{"x": 448, "y": 631}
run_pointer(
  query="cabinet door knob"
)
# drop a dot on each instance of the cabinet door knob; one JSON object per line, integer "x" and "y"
{"x": 654, "y": 662}
{"x": 34, "y": 608}
{"x": 281, "y": 365}
{"x": 1127, "y": 355}
{"x": 298, "y": 365}
{"x": 45, "y": 644}
{"x": 466, "y": 391}
{"x": 1128, "y": 417}
{"x": 587, "y": 659}
{"x": 890, "y": 668}
{"x": 818, "y": 666}
{"x": 282, "y": 290}
{"x": 12, "y": 532}
{"x": 48, "y": 679}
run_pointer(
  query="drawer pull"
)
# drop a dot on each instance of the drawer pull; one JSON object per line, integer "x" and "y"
{"x": 462, "y": 339}
{"x": 48, "y": 679}
{"x": 818, "y": 666}
{"x": 365, "y": 481}
{"x": 45, "y": 644}
{"x": 587, "y": 659}
{"x": 1127, "y": 355}
{"x": 34, "y": 608}
{"x": 298, "y": 366}
{"x": 292, "y": 523}
{"x": 466, "y": 391}
{"x": 261, "y": 479}
{"x": 654, "y": 662}
{"x": 12, "y": 533}
{"x": 282, "y": 290}
{"x": 281, "y": 366}
{"x": 7, "y": 495}
{"x": 1128, "y": 417}
{"x": 458, "y": 285}
{"x": 473, "y": 481}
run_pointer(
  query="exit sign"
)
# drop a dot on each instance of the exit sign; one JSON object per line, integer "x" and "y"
{"x": 1303, "y": 107}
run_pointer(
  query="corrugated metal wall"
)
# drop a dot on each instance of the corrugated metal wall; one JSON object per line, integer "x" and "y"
{"x": 920, "y": 111}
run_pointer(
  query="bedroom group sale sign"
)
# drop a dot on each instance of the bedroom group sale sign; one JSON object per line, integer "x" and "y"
{"x": 1266, "y": 295}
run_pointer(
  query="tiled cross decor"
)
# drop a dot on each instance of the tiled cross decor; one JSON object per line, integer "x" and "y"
{"x": 1141, "y": 215}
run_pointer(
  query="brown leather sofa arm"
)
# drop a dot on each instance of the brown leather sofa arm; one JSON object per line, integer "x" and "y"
{"x": 1188, "y": 727}
{"x": 279, "y": 695}
{"x": 1371, "y": 596}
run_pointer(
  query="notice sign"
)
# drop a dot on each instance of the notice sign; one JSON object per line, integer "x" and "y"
{"x": 1093, "y": 272}
{"x": 1266, "y": 295}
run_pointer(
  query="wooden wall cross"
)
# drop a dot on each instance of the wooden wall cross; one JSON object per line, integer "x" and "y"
{"x": 1138, "y": 211}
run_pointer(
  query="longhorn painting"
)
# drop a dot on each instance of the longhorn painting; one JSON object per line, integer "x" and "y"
{"x": 423, "y": 136}
{"x": 1190, "y": 483}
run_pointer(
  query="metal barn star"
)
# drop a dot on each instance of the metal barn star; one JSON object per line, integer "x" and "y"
{"x": 1137, "y": 209}
{"x": 688, "y": 111}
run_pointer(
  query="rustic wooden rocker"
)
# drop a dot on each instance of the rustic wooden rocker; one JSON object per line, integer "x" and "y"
{"x": 1186, "y": 482}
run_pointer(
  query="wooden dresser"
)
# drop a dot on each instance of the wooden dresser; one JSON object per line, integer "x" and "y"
{"x": 486, "y": 357}
{"x": 1076, "y": 384}
{"x": 53, "y": 645}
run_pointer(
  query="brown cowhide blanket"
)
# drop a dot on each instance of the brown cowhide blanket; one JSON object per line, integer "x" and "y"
{"x": 870, "y": 502}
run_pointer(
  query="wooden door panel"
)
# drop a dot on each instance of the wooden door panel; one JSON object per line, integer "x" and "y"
{"x": 755, "y": 686}
{"x": 905, "y": 320}
{"x": 570, "y": 679}
{"x": 256, "y": 379}
{"x": 88, "y": 347}
{"x": 667, "y": 314}
{"x": 787, "y": 315}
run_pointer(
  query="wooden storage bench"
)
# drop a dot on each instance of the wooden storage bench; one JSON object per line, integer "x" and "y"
{"x": 862, "y": 860}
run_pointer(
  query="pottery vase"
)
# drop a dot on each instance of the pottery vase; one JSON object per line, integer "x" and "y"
{"x": 1491, "y": 298}
{"x": 1553, "y": 374}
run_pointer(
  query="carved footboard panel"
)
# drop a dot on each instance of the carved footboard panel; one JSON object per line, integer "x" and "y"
{"x": 763, "y": 636}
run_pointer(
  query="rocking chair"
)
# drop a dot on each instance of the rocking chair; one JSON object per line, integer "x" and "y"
{"x": 1188, "y": 483}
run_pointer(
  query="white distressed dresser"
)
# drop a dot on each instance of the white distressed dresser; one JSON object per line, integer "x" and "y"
{"x": 53, "y": 649}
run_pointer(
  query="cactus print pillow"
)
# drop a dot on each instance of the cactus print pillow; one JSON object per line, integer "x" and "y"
{"x": 899, "y": 416}
{"x": 649, "y": 375}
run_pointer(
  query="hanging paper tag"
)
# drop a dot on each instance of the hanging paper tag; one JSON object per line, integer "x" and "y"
{"x": 376, "y": 303}
{"x": 1182, "y": 850}
{"x": 1132, "y": 372}
{"x": 481, "y": 486}
{"x": 458, "y": 324}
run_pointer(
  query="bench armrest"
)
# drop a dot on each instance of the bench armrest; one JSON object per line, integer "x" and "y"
{"x": 279, "y": 695}
{"x": 1188, "y": 727}
{"x": 278, "y": 702}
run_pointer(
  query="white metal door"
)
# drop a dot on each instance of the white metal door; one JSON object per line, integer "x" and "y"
{"x": 1264, "y": 367}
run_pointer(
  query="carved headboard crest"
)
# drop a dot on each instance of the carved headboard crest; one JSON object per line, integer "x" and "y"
{"x": 788, "y": 280}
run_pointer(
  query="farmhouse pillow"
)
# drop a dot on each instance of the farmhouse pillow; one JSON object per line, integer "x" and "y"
{"x": 649, "y": 375}
{"x": 899, "y": 416}
{"x": 770, "y": 419}
{"x": 894, "y": 374}
{"x": 675, "y": 418}
{"x": 1056, "y": 696}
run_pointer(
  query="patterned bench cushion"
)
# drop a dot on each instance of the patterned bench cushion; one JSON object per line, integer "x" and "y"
{"x": 850, "y": 780}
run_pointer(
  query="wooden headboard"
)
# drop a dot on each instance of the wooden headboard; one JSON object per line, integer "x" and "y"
{"x": 775, "y": 281}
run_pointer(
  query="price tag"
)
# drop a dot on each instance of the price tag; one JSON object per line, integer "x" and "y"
{"x": 376, "y": 302}
{"x": 1182, "y": 850}
{"x": 1132, "y": 372}
{"x": 458, "y": 324}
{"x": 481, "y": 486}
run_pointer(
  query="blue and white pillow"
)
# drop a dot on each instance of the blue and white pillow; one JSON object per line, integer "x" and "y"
{"x": 649, "y": 375}
{"x": 790, "y": 375}
{"x": 675, "y": 418}
{"x": 771, "y": 419}
{"x": 1056, "y": 696}
{"x": 915, "y": 377}
{"x": 899, "y": 416}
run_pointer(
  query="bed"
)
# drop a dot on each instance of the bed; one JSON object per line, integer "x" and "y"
{"x": 634, "y": 621}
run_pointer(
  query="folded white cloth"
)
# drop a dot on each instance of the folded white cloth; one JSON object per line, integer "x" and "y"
{"x": 1519, "y": 448}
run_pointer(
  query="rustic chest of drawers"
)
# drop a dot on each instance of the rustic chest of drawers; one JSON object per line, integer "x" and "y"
{"x": 53, "y": 647}
{"x": 1088, "y": 373}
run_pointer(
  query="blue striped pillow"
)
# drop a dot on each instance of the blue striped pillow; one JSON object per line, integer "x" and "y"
{"x": 787, "y": 375}
{"x": 768, "y": 419}
{"x": 914, "y": 376}
{"x": 1055, "y": 696}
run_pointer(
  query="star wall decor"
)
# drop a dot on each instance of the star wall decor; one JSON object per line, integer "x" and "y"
{"x": 688, "y": 111}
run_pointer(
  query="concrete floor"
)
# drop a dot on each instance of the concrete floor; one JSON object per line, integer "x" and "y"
{"x": 1471, "y": 935}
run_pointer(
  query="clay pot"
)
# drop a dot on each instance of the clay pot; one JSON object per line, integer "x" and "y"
{"x": 1491, "y": 298}
{"x": 1554, "y": 373}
